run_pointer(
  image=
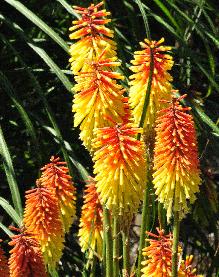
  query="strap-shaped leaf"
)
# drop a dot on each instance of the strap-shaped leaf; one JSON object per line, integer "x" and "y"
{"x": 10, "y": 211}
{"x": 10, "y": 173}
{"x": 38, "y": 22}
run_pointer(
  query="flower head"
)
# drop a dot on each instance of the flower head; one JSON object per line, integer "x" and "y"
{"x": 26, "y": 258}
{"x": 159, "y": 254}
{"x": 160, "y": 88}
{"x": 176, "y": 164}
{"x": 186, "y": 268}
{"x": 42, "y": 218}
{"x": 55, "y": 175}
{"x": 4, "y": 269}
{"x": 99, "y": 97}
{"x": 91, "y": 225}
{"x": 120, "y": 167}
{"x": 93, "y": 34}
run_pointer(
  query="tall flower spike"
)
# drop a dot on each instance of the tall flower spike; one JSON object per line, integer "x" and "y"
{"x": 42, "y": 218}
{"x": 176, "y": 164}
{"x": 160, "y": 88}
{"x": 186, "y": 268}
{"x": 93, "y": 34}
{"x": 4, "y": 269}
{"x": 91, "y": 225}
{"x": 120, "y": 168}
{"x": 99, "y": 97}
{"x": 26, "y": 259}
{"x": 158, "y": 254}
{"x": 55, "y": 175}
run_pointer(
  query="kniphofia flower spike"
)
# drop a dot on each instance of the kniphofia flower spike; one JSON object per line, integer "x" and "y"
{"x": 99, "y": 97}
{"x": 156, "y": 54}
{"x": 42, "y": 218}
{"x": 93, "y": 36}
{"x": 187, "y": 269}
{"x": 120, "y": 167}
{"x": 91, "y": 222}
{"x": 26, "y": 258}
{"x": 176, "y": 165}
{"x": 158, "y": 254}
{"x": 55, "y": 175}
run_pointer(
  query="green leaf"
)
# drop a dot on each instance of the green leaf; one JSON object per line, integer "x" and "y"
{"x": 6, "y": 85}
{"x": 10, "y": 174}
{"x": 38, "y": 22}
{"x": 10, "y": 211}
{"x": 142, "y": 10}
{"x": 42, "y": 53}
{"x": 206, "y": 119}
{"x": 168, "y": 14}
{"x": 6, "y": 230}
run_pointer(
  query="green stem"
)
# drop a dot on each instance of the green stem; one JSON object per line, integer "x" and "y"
{"x": 144, "y": 227}
{"x": 161, "y": 216}
{"x": 108, "y": 243}
{"x": 176, "y": 225}
{"x": 115, "y": 247}
{"x": 93, "y": 269}
{"x": 126, "y": 251}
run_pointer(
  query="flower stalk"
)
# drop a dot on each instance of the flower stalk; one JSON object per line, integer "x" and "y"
{"x": 126, "y": 252}
{"x": 115, "y": 246}
{"x": 176, "y": 227}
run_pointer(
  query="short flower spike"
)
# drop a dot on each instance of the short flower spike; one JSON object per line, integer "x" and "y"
{"x": 4, "y": 269}
{"x": 176, "y": 175}
{"x": 120, "y": 168}
{"x": 42, "y": 218}
{"x": 93, "y": 36}
{"x": 26, "y": 258}
{"x": 161, "y": 86}
{"x": 187, "y": 269}
{"x": 158, "y": 255}
{"x": 91, "y": 222}
{"x": 56, "y": 175}
{"x": 99, "y": 97}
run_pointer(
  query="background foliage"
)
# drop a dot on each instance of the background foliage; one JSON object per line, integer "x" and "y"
{"x": 36, "y": 99}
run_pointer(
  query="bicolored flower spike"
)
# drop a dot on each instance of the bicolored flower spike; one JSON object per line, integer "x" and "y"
{"x": 120, "y": 167}
{"x": 161, "y": 86}
{"x": 158, "y": 255}
{"x": 42, "y": 218}
{"x": 99, "y": 97}
{"x": 56, "y": 175}
{"x": 4, "y": 269}
{"x": 26, "y": 259}
{"x": 176, "y": 165}
{"x": 93, "y": 36}
{"x": 91, "y": 225}
{"x": 187, "y": 269}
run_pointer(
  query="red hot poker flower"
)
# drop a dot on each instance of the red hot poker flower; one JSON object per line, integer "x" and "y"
{"x": 56, "y": 175}
{"x": 91, "y": 225}
{"x": 42, "y": 218}
{"x": 26, "y": 259}
{"x": 4, "y": 269}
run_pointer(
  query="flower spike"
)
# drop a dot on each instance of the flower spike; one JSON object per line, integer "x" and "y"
{"x": 55, "y": 175}
{"x": 158, "y": 253}
{"x": 26, "y": 258}
{"x": 187, "y": 269}
{"x": 160, "y": 88}
{"x": 120, "y": 168}
{"x": 176, "y": 164}
{"x": 91, "y": 225}
{"x": 42, "y": 218}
